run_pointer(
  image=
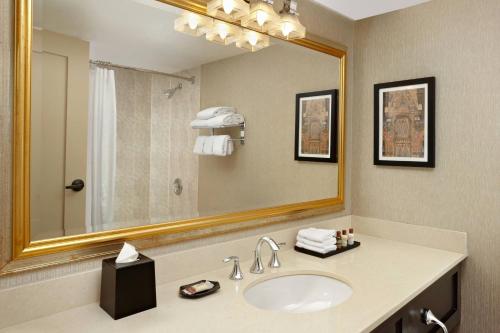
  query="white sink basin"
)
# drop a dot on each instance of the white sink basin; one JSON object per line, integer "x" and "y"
{"x": 299, "y": 293}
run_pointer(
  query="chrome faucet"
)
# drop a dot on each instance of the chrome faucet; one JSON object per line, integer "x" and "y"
{"x": 257, "y": 267}
{"x": 236, "y": 274}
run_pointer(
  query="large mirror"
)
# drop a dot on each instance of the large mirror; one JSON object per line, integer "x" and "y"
{"x": 136, "y": 122}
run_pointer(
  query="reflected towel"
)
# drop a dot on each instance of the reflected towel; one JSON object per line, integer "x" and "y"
{"x": 198, "y": 145}
{"x": 317, "y": 235}
{"x": 208, "y": 145}
{"x": 214, "y": 112}
{"x": 316, "y": 249}
{"x": 222, "y": 145}
{"x": 322, "y": 245}
{"x": 231, "y": 119}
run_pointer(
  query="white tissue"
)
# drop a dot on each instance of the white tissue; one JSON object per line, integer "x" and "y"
{"x": 127, "y": 254}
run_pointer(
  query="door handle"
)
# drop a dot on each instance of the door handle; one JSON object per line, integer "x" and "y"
{"x": 77, "y": 185}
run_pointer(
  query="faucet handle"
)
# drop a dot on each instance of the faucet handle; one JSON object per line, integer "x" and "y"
{"x": 275, "y": 262}
{"x": 236, "y": 274}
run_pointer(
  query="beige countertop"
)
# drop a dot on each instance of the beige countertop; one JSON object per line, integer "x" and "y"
{"x": 384, "y": 276}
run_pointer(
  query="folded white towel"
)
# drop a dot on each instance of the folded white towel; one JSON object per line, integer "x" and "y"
{"x": 317, "y": 235}
{"x": 208, "y": 145}
{"x": 323, "y": 245}
{"x": 214, "y": 111}
{"x": 222, "y": 145}
{"x": 198, "y": 145}
{"x": 230, "y": 148}
{"x": 316, "y": 249}
{"x": 230, "y": 119}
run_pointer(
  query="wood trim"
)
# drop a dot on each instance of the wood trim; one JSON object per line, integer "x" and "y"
{"x": 23, "y": 248}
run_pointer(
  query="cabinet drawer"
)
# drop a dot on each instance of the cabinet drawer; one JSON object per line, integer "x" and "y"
{"x": 442, "y": 297}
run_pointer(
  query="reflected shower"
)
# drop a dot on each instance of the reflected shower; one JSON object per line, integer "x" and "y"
{"x": 171, "y": 92}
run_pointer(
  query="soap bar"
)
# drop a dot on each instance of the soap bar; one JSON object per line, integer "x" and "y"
{"x": 199, "y": 287}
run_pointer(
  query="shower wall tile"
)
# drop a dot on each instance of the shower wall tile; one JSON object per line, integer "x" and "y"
{"x": 154, "y": 146}
{"x": 160, "y": 173}
{"x": 133, "y": 94}
{"x": 171, "y": 148}
{"x": 183, "y": 163}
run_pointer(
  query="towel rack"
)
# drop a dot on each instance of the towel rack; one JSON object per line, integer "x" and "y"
{"x": 242, "y": 132}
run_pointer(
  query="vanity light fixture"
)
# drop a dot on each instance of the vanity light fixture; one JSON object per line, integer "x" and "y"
{"x": 223, "y": 33}
{"x": 261, "y": 17}
{"x": 252, "y": 40}
{"x": 193, "y": 24}
{"x": 258, "y": 16}
{"x": 288, "y": 26}
{"x": 230, "y": 10}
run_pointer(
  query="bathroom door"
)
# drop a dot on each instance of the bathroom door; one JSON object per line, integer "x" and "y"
{"x": 60, "y": 80}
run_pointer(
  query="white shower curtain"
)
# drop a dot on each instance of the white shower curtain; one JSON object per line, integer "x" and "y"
{"x": 101, "y": 154}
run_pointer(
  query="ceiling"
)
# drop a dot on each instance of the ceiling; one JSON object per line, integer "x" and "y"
{"x": 360, "y": 9}
{"x": 137, "y": 33}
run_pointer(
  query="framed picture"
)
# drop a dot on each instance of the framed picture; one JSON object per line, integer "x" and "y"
{"x": 316, "y": 126}
{"x": 404, "y": 125}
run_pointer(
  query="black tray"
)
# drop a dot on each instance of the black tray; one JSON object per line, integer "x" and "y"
{"x": 200, "y": 294}
{"x": 328, "y": 254}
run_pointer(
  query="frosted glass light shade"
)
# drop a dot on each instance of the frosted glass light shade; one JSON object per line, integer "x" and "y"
{"x": 192, "y": 24}
{"x": 261, "y": 17}
{"x": 288, "y": 27}
{"x": 230, "y": 10}
{"x": 223, "y": 33}
{"x": 252, "y": 40}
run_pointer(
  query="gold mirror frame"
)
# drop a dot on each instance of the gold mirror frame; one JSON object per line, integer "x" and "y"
{"x": 94, "y": 244}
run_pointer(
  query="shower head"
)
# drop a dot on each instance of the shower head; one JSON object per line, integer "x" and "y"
{"x": 171, "y": 92}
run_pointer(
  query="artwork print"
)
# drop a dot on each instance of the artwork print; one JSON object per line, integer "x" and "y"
{"x": 316, "y": 126}
{"x": 404, "y": 123}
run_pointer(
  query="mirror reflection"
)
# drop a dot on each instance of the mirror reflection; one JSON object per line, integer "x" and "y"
{"x": 137, "y": 122}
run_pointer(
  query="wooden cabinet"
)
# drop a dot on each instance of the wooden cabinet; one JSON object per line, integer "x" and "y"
{"x": 442, "y": 298}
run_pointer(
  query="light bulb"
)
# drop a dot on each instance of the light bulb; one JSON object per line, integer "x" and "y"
{"x": 253, "y": 38}
{"x": 192, "y": 22}
{"x": 261, "y": 17}
{"x": 286, "y": 28}
{"x": 228, "y": 6}
{"x": 222, "y": 31}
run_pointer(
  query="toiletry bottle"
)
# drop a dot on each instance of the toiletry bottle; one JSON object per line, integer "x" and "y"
{"x": 350, "y": 237}
{"x": 344, "y": 238}
{"x": 339, "y": 239}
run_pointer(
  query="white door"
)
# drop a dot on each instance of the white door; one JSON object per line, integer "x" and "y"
{"x": 59, "y": 112}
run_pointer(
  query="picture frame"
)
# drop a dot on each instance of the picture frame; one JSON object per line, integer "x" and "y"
{"x": 316, "y": 125}
{"x": 404, "y": 123}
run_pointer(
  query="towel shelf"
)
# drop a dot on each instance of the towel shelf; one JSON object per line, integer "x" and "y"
{"x": 242, "y": 131}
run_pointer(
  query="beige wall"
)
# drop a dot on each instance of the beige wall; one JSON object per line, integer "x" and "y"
{"x": 318, "y": 21}
{"x": 262, "y": 172}
{"x": 458, "y": 42}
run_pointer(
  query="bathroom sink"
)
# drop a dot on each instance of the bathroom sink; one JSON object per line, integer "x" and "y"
{"x": 299, "y": 293}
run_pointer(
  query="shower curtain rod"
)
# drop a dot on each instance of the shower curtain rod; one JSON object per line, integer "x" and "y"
{"x": 107, "y": 63}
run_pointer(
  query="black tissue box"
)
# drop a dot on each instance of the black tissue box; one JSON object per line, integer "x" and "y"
{"x": 128, "y": 288}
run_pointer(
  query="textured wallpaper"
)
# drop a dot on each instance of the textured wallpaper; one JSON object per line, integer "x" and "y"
{"x": 6, "y": 53}
{"x": 457, "y": 41}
